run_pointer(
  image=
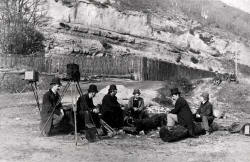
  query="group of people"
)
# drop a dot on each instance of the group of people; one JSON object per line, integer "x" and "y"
{"x": 113, "y": 113}
{"x": 183, "y": 115}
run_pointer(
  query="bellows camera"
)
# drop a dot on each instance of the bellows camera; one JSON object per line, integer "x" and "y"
{"x": 32, "y": 76}
{"x": 73, "y": 73}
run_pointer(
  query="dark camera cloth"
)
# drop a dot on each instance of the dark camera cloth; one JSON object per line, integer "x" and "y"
{"x": 49, "y": 102}
{"x": 112, "y": 112}
{"x": 184, "y": 114}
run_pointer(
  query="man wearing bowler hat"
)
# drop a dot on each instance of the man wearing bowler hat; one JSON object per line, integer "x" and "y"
{"x": 112, "y": 112}
{"x": 87, "y": 112}
{"x": 50, "y": 102}
{"x": 181, "y": 113}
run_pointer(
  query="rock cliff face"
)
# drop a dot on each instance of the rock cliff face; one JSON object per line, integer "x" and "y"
{"x": 97, "y": 28}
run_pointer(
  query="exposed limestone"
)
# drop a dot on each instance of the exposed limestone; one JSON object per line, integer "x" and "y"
{"x": 95, "y": 28}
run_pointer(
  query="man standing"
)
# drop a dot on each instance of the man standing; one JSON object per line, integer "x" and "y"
{"x": 87, "y": 113}
{"x": 52, "y": 112}
{"x": 205, "y": 113}
{"x": 181, "y": 113}
{"x": 112, "y": 112}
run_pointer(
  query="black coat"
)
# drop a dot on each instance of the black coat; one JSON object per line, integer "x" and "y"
{"x": 84, "y": 103}
{"x": 206, "y": 109}
{"x": 49, "y": 101}
{"x": 112, "y": 112}
{"x": 85, "y": 116}
{"x": 110, "y": 103}
{"x": 183, "y": 112}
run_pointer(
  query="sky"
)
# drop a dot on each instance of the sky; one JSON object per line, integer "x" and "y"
{"x": 240, "y": 4}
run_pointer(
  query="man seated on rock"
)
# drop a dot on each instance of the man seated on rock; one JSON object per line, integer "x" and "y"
{"x": 112, "y": 111}
{"x": 136, "y": 106}
{"x": 87, "y": 112}
{"x": 205, "y": 113}
{"x": 51, "y": 112}
{"x": 181, "y": 113}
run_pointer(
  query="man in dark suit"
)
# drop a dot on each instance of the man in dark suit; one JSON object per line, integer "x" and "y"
{"x": 87, "y": 112}
{"x": 112, "y": 111}
{"x": 50, "y": 101}
{"x": 205, "y": 113}
{"x": 181, "y": 113}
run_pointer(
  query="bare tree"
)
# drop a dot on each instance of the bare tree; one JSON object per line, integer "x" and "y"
{"x": 18, "y": 17}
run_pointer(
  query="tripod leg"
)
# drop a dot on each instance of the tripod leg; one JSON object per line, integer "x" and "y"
{"x": 35, "y": 95}
{"x": 79, "y": 88}
{"x": 75, "y": 128}
{"x": 74, "y": 110}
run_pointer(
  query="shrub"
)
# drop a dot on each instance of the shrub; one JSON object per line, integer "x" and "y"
{"x": 178, "y": 59}
{"x": 194, "y": 60}
{"x": 19, "y": 20}
{"x": 184, "y": 84}
{"x": 24, "y": 42}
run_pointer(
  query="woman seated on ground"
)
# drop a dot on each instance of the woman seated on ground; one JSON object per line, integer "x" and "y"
{"x": 136, "y": 106}
{"x": 205, "y": 113}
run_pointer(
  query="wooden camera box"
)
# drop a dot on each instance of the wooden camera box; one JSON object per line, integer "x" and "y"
{"x": 73, "y": 72}
{"x": 32, "y": 76}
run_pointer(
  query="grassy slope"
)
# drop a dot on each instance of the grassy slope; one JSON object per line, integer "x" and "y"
{"x": 219, "y": 14}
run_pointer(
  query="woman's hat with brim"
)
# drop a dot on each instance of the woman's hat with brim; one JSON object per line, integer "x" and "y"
{"x": 136, "y": 91}
{"x": 175, "y": 91}
{"x": 93, "y": 88}
{"x": 56, "y": 80}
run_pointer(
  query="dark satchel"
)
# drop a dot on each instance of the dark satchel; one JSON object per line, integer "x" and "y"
{"x": 198, "y": 128}
{"x": 91, "y": 134}
{"x": 236, "y": 127}
{"x": 176, "y": 133}
{"x": 157, "y": 120}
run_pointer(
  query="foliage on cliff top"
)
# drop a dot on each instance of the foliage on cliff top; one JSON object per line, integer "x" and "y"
{"x": 213, "y": 14}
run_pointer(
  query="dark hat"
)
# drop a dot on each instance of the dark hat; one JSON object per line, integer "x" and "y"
{"x": 175, "y": 91}
{"x": 136, "y": 91}
{"x": 112, "y": 87}
{"x": 205, "y": 95}
{"x": 92, "y": 88}
{"x": 56, "y": 80}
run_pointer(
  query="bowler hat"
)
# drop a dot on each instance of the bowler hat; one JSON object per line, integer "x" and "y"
{"x": 92, "y": 88}
{"x": 205, "y": 95}
{"x": 136, "y": 91}
{"x": 175, "y": 91}
{"x": 112, "y": 87}
{"x": 56, "y": 80}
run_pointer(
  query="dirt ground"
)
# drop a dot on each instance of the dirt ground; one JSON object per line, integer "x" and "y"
{"x": 21, "y": 141}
